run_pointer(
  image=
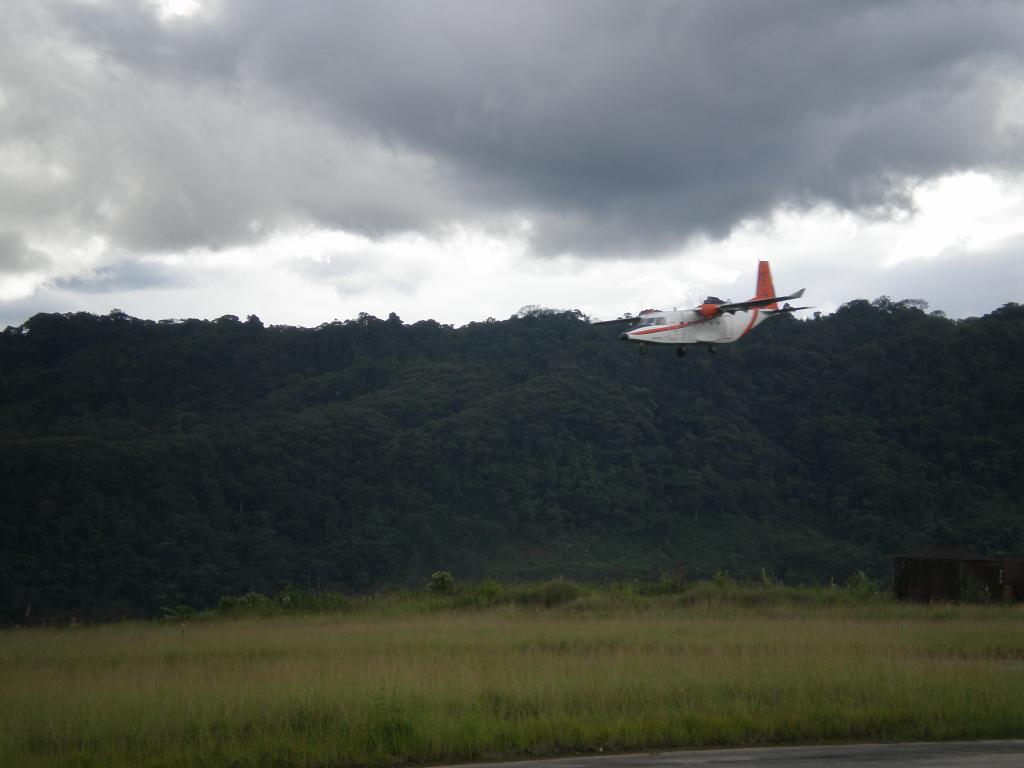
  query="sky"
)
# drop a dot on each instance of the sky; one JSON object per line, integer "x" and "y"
{"x": 460, "y": 159}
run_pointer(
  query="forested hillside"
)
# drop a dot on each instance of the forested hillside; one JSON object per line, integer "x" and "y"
{"x": 147, "y": 464}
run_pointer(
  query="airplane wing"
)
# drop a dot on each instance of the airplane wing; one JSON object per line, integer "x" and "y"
{"x": 722, "y": 308}
{"x": 617, "y": 320}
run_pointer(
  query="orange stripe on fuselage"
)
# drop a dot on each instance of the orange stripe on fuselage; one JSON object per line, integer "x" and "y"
{"x": 666, "y": 328}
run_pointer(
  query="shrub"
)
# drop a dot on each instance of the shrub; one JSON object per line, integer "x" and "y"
{"x": 485, "y": 594}
{"x": 860, "y": 587}
{"x": 441, "y": 583}
{"x": 972, "y": 589}
{"x": 295, "y": 600}
{"x": 253, "y": 602}
{"x": 670, "y": 583}
{"x": 288, "y": 600}
{"x": 179, "y": 613}
{"x": 549, "y": 594}
{"x": 334, "y": 601}
{"x": 491, "y": 591}
{"x": 723, "y": 580}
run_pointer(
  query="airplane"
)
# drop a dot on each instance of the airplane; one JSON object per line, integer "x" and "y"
{"x": 713, "y": 322}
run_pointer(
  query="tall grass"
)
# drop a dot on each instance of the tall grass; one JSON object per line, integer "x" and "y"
{"x": 394, "y": 682}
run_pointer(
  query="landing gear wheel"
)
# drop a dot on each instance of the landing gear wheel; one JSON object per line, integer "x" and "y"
{"x": 643, "y": 349}
{"x": 712, "y": 348}
{"x": 680, "y": 351}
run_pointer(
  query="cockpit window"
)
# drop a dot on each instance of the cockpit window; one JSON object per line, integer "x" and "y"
{"x": 653, "y": 321}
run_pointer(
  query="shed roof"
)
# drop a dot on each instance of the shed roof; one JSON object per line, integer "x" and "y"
{"x": 956, "y": 554}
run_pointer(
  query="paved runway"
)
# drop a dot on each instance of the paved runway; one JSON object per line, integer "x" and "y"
{"x": 953, "y": 754}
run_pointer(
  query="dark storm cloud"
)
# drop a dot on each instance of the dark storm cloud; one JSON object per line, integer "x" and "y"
{"x": 613, "y": 127}
{"x": 161, "y": 155}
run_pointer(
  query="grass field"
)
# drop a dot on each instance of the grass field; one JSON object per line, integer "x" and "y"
{"x": 419, "y": 680}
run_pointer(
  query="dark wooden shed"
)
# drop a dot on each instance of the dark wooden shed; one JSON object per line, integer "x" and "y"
{"x": 949, "y": 575}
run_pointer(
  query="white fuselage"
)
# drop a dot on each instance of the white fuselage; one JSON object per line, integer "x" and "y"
{"x": 691, "y": 326}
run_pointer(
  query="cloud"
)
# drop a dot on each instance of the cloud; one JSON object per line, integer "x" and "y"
{"x": 615, "y": 128}
{"x": 16, "y": 257}
{"x": 157, "y": 161}
{"x": 126, "y": 276}
{"x": 159, "y": 155}
{"x": 353, "y": 274}
{"x": 959, "y": 283}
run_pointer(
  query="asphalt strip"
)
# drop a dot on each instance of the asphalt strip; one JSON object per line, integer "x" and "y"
{"x": 950, "y": 754}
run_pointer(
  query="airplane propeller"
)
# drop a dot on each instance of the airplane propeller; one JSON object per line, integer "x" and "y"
{"x": 785, "y": 308}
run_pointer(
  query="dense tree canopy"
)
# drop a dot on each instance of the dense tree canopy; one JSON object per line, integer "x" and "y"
{"x": 148, "y": 464}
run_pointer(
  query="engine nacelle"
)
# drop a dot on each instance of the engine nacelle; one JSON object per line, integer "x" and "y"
{"x": 708, "y": 310}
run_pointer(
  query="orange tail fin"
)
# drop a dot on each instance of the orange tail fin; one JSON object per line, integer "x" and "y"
{"x": 765, "y": 287}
